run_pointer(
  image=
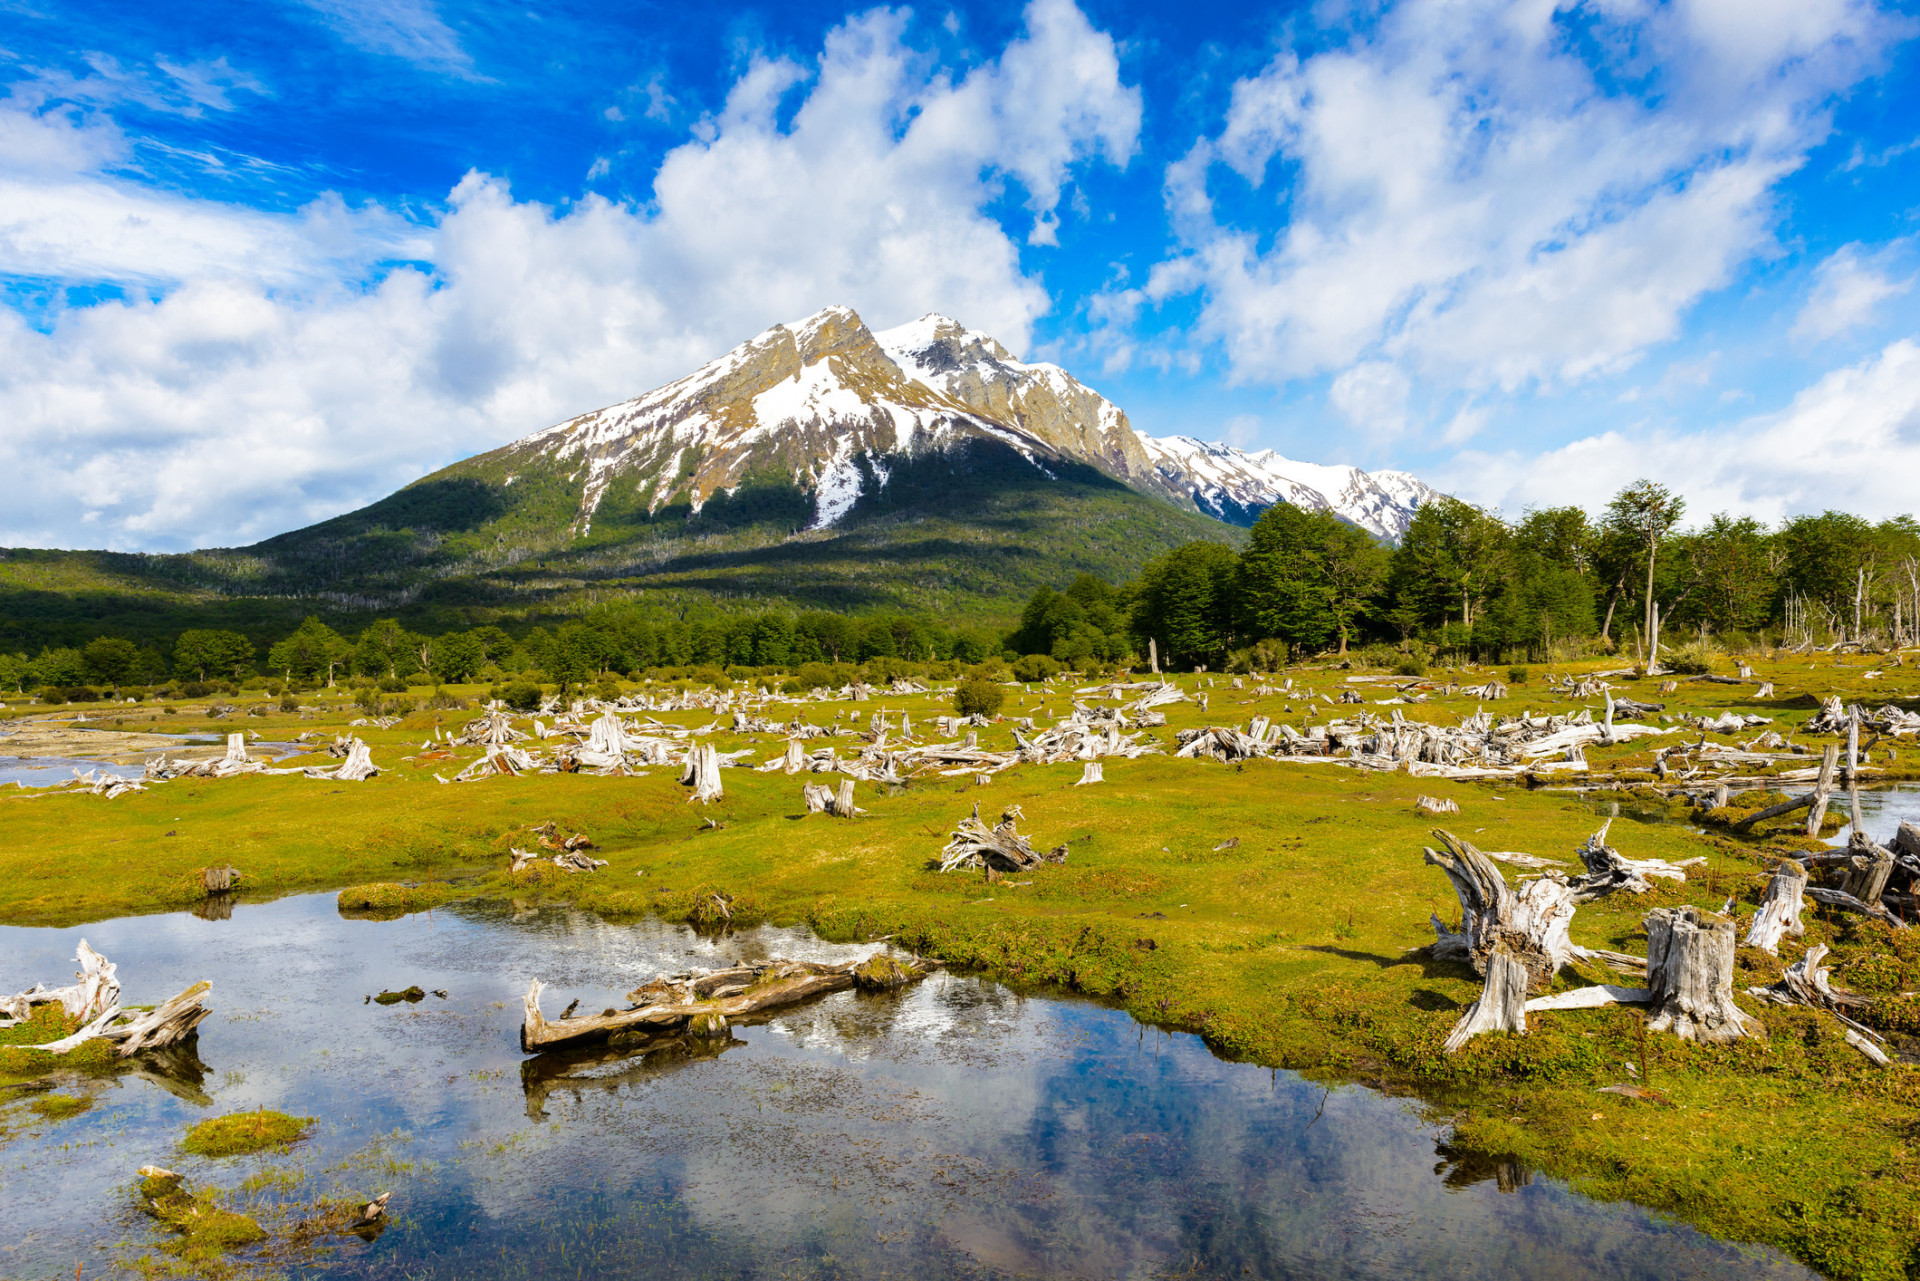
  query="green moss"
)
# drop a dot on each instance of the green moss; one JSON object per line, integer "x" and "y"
{"x": 239, "y": 1133}
{"x": 385, "y": 900}
{"x": 58, "y": 1107}
{"x": 205, "y": 1230}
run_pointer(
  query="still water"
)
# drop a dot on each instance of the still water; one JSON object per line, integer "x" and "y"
{"x": 960, "y": 1128}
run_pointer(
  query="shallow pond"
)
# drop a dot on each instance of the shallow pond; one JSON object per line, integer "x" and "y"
{"x": 959, "y": 1128}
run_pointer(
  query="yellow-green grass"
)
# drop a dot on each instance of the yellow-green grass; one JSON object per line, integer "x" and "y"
{"x": 242, "y": 1133}
{"x": 1290, "y": 948}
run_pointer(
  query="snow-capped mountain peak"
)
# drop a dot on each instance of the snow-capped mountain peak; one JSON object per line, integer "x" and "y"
{"x": 826, "y": 404}
{"x": 1235, "y": 485}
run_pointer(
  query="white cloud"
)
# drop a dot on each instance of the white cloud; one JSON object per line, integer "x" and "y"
{"x": 1851, "y": 442}
{"x": 1504, "y": 192}
{"x": 1373, "y": 397}
{"x": 409, "y": 29}
{"x": 1847, "y": 288}
{"x": 268, "y": 388}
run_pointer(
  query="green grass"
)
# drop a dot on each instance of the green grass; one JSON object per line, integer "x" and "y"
{"x": 1297, "y": 947}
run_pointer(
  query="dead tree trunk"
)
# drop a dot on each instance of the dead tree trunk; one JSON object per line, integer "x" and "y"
{"x": 818, "y": 797}
{"x": 1822, "y": 790}
{"x": 702, "y": 773}
{"x": 707, "y": 1004}
{"x": 1530, "y": 924}
{"x": 1690, "y": 973}
{"x": 1502, "y": 1006}
{"x": 1779, "y": 914}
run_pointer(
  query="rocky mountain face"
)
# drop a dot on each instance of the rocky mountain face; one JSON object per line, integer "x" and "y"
{"x": 1235, "y": 486}
{"x": 832, "y": 408}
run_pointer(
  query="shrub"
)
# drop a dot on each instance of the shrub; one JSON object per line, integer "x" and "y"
{"x": 522, "y": 696}
{"x": 608, "y": 689}
{"x": 366, "y": 699}
{"x": 288, "y": 703}
{"x": 1695, "y": 658}
{"x": 1035, "y": 667}
{"x": 1410, "y": 666}
{"x": 1516, "y": 676}
{"x": 392, "y": 685}
{"x": 195, "y": 689}
{"x": 978, "y": 696}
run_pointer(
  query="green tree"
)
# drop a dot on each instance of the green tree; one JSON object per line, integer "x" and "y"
{"x": 208, "y": 652}
{"x": 1185, "y": 601}
{"x": 387, "y": 649}
{"x": 1731, "y": 573}
{"x": 311, "y": 652}
{"x": 1643, "y": 514}
{"x": 1453, "y": 558}
{"x": 460, "y": 656}
{"x": 1307, "y": 577}
{"x": 111, "y": 660}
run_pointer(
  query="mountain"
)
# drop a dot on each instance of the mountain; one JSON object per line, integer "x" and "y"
{"x": 818, "y": 464}
{"x": 1235, "y": 486}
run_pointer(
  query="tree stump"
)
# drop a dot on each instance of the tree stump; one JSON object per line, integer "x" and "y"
{"x": 702, "y": 773}
{"x": 1530, "y": 924}
{"x": 1872, "y": 866}
{"x": 1502, "y": 1006}
{"x": 818, "y": 797}
{"x": 218, "y": 880}
{"x": 1690, "y": 973}
{"x": 1779, "y": 914}
{"x": 1091, "y": 774}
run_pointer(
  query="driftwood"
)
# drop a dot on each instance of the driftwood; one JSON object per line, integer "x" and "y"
{"x": 164, "y": 1024}
{"x": 705, "y": 1004}
{"x": 97, "y": 990}
{"x": 1690, "y": 974}
{"x": 1805, "y": 983}
{"x": 997, "y": 849}
{"x": 1779, "y": 914}
{"x": 1840, "y": 898}
{"x": 96, "y": 998}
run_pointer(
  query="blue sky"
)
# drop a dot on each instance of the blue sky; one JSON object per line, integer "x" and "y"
{"x": 263, "y": 263}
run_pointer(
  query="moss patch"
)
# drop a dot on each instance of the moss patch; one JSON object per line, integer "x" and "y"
{"x": 385, "y": 900}
{"x": 239, "y": 1133}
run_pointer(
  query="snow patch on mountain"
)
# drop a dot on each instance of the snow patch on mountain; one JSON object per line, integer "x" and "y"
{"x": 1235, "y": 485}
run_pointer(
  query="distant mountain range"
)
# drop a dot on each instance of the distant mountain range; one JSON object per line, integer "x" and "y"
{"x": 819, "y": 464}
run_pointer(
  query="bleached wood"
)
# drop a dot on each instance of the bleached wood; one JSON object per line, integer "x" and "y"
{"x": 1093, "y": 773}
{"x": 1588, "y": 998}
{"x": 1779, "y": 914}
{"x": 1502, "y": 1006}
{"x": 1690, "y": 972}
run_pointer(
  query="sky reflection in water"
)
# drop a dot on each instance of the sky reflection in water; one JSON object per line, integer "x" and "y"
{"x": 958, "y": 1129}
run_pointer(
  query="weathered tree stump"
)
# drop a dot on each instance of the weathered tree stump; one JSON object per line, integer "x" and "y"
{"x": 1530, "y": 924}
{"x": 702, "y": 773}
{"x": 1091, "y": 774}
{"x": 1690, "y": 973}
{"x": 1502, "y": 1006}
{"x": 1779, "y": 914}
{"x": 218, "y": 880}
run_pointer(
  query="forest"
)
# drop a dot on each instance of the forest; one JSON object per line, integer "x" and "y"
{"x": 1463, "y": 582}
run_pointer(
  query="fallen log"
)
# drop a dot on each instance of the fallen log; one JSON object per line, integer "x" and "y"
{"x": 707, "y": 1003}
{"x": 1690, "y": 973}
{"x": 98, "y": 989}
{"x": 1840, "y": 898}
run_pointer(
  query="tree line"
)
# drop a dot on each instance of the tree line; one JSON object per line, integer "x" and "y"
{"x": 1465, "y": 581}
{"x": 601, "y": 643}
{"x": 1462, "y": 581}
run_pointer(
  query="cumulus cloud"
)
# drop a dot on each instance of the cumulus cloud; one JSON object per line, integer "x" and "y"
{"x": 268, "y": 386}
{"x": 1847, "y": 289}
{"x": 1851, "y": 441}
{"x": 1502, "y": 192}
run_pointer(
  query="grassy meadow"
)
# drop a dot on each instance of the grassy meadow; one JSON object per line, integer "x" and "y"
{"x": 1299, "y": 946}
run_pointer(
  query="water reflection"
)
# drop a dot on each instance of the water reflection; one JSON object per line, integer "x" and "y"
{"x": 958, "y": 1128}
